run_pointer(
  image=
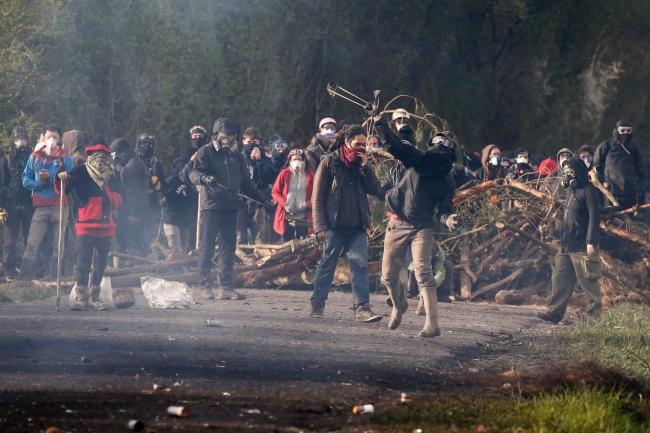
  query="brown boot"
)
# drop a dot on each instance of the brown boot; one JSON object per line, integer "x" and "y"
{"x": 421, "y": 310}
{"x": 95, "y": 303}
{"x": 206, "y": 293}
{"x": 363, "y": 313}
{"x": 81, "y": 303}
{"x": 317, "y": 308}
{"x": 431, "y": 307}
{"x": 230, "y": 295}
{"x": 400, "y": 305}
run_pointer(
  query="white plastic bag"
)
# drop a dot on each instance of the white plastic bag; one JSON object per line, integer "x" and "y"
{"x": 105, "y": 294}
{"x": 166, "y": 294}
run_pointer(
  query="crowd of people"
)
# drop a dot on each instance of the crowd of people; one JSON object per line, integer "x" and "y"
{"x": 248, "y": 190}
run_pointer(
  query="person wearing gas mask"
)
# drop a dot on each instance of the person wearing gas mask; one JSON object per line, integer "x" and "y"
{"x": 321, "y": 142}
{"x": 421, "y": 188}
{"x": 491, "y": 164}
{"x": 157, "y": 183}
{"x": 16, "y": 200}
{"x": 341, "y": 214}
{"x": 221, "y": 172}
{"x": 131, "y": 181}
{"x": 39, "y": 177}
{"x": 95, "y": 225}
{"x": 402, "y": 128}
{"x": 620, "y": 162}
{"x": 579, "y": 257}
{"x": 523, "y": 170}
{"x": 292, "y": 191}
{"x": 262, "y": 172}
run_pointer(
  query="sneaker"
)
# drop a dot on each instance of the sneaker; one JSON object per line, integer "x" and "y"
{"x": 317, "y": 309}
{"x": 230, "y": 295}
{"x": 548, "y": 318}
{"x": 363, "y": 313}
{"x": 207, "y": 294}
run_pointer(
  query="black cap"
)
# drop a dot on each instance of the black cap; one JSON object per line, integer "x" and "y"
{"x": 120, "y": 145}
{"x": 623, "y": 122}
{"x": 225, "y": 126}
{"x": 19, "y": 130}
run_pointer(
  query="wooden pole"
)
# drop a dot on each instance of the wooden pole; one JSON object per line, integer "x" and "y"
{"x": 60, "y": 256}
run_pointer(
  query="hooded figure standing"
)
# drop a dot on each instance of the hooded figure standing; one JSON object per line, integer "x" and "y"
{"x": 16, "y": 199}
{"x": 422, "y": 187}
{"x": 321, "y": 142}
{"x": 341, "y": 217}
{"x": 95, "y": 225}
{"x": 620, "y": 162}
{"x": 221, "y": 172}
{"x": 491, "y": 168}
{"x": 131, "y": 181}
{"x": 39, "y": 177}
{"x": 157, "y": 184}
{"x": 579, "y": 257}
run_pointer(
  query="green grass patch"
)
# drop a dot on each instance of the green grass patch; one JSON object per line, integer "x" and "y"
{"x": 619, "y": 340}
{"x": 24, "y": 292}
{"x": 582, "y": 410}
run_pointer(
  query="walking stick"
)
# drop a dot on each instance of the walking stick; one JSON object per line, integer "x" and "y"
{"x": 198, "y": 222}
{"x": 60, "y": 256}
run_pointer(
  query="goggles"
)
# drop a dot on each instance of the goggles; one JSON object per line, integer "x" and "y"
{"x": 146, "y": 139}
{"x": 443, "y": 141}
{"x": 280, "y": 144}
{"x": 567, "y": 170}
{"x": 402, "y": 120}
{"x": 624, "y": 129}
{"x": 296, "y": 152}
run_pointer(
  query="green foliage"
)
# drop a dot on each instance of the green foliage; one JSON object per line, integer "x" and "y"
{"x": 514, "y": 72}
{"x": 580, "y": 411}
{"x": 619, "y": 340}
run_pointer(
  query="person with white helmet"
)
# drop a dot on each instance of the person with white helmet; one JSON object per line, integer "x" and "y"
{"x": 402, "y": 128}
{"x": 321, "y": 142}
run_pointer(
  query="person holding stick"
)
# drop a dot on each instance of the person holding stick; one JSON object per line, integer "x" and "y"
{"x": 95, "y": 225}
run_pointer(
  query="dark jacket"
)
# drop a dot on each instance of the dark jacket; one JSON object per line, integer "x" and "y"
{"x": 340, "y": 196}
{"x": 622, "y": 167}
{"x": 316, "y": 150}
{"x": 230, "y": 170}
{"x": 406, "y": 134}
{"x": 262, "y": 173}
{"x": 487, "y": 171}
{"x": 176, "y": 200}
{"x": 11, "y": 179}
{"x": 155, "y": 168}
{"x": 131, "y": 181}
{"x": 523, "y": 172}
{"x": 582, "y": 212}
{"x": 422, "y": 182}
{"x": 95, "y": 204}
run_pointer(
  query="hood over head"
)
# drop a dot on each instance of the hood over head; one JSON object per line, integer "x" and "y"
{"x": 485, "y": 153}
{"x": 580, "y": 170}
{"x": 585, "y": 147}
{"x": 224, "y": 125}
{"x": 97, "y": 143}
{"x": 177, "y": 166}
{"x": 564, "y": 149}
{"x": 73, "y": 140}
{"x": 120, "y": 145}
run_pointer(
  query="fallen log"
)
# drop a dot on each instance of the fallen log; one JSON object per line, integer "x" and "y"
{"x": 130, "y": 257}
{"x": 259, "y": 278}
{"x": 490, "y": 287}
{"x": 280, "y": 257}
{"x": 466, "y": 195}
{"x": 527, "y": 189}
{"x": 465, "y": 279}
{"x": 523, "y": 234}
{"x": 266, "y": 246}
{"x": 625, "y": 234}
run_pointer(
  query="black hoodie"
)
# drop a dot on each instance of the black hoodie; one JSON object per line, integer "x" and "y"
{"x": 582, "y": 215}
{"x": 621, "y": 166}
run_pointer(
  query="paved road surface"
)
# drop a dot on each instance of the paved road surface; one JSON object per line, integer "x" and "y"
{"x": 301, "y": 373}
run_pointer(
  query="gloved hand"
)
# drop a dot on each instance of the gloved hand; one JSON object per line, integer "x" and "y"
{"x": 452, "y": 222}
{"x": 3, "y": 216}
{"x": 209, "y": 179}
{"x": 155, "y": 182}
{"x": 116, "y": 199}
{"x": 371, "y": 109}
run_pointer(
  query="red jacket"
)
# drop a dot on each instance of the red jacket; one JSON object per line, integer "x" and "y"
{"x": 280, "y": 191}
{"x": 95, "y": 204}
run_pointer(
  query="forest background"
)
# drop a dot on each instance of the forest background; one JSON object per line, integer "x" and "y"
{"x": 543, "y": 74}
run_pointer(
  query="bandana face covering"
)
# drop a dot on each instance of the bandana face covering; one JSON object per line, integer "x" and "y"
{"x": 351, "y": 158}
{"x": 100, "y": 167}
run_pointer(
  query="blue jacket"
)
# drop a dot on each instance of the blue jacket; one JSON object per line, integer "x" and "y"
{"x": 45, "y": 195}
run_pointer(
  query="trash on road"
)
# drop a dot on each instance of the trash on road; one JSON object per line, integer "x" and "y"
{"x": 252, "y": 411}
{"x": 161, "y": 388}
{"x": 213, "y": 323}
{"x": 472, "y": 370}
{"x": 405, "y": 398}
{"x": 360, "y": 410}
{"x": 135, "y": 425}
{"x": 123, "y": 297}
{"x": 178, "y": 411}
{"x": 85, "y": 360}
{"x": 166, "y": 294}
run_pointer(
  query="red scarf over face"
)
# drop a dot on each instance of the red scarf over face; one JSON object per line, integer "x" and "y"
{"x": 351, "y": 158}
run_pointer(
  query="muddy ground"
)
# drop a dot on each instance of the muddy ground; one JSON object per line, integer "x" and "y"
{"x": 269, "y": 367}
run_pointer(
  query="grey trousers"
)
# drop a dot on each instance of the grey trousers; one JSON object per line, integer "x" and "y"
{"x": 45, "y": 218}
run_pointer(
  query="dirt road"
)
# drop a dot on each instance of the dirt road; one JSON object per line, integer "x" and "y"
{"x": 268, "y": 355}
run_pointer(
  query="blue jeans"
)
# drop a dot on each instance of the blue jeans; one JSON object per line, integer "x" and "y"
{"x": 356, "y": 247}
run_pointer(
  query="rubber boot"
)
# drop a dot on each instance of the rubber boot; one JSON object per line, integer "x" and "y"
{"x": 82, "y": 299}
{"x": 421, "y": 311}
{"x": 430, "y": 329}
{"x": 26, "y": 268}
{"x": 400, "y": 305}
{"x": 95, "y": 303}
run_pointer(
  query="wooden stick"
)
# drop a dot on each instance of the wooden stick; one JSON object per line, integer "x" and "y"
{"x": 527, "y": 189}
{"x": 466, "y": 195}
{"x": 476, "y": 230}
{"x": 593, "y": 177}
{"x": 266, "y": 246}
{"x": 465, "y": 279}
{"x": 633, "y": 209}
{"x": 129, "y": 256}
{"x": 498, "y": 284}
{"x": 523, "y": 234}
{"x": 625, "y": 234}
{"x": 59, "y": 254}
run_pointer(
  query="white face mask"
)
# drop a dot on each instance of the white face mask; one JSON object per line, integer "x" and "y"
{"x": 522, "y": 160}
{"x": 113, "y": 154}
{"x": 20, "y": 143}
{"x": 328, "y": 132}
{"x": 51, "y": 143}
{"x": 495, "y": 160}
{"x": 296, "y": 165}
